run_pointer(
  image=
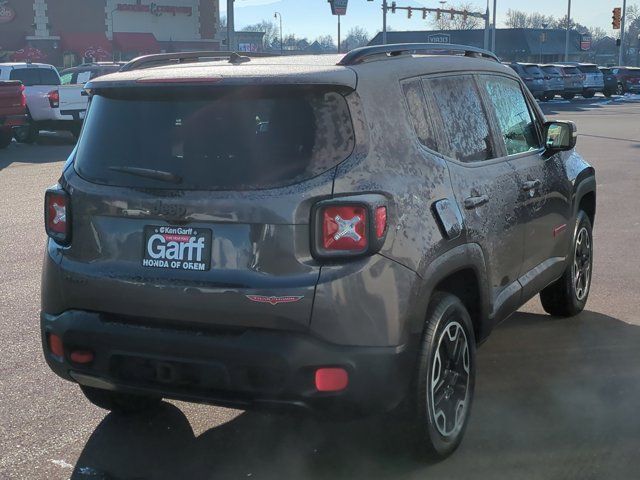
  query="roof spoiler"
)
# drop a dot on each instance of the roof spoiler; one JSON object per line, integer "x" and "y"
{"x": 156, "y": 60}
{"x": 359, "y": 55}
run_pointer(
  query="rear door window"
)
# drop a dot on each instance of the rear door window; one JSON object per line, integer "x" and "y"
{"x": 219, "y": 138}
{"x": 515, "y": 120}
{"x": 588, "y": 69}
{"x": 464, "y": 125}
{"x": 533, "y": 70}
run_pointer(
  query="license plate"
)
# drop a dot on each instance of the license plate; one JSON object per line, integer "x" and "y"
{"x": 177, "y": 248}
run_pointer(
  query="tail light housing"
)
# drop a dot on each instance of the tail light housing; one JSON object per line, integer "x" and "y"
{"x": 57, "y": 215}
{"x": 349, "y": 226}
{"x": 23, "y": 97}
{"x": 54, "y": 98}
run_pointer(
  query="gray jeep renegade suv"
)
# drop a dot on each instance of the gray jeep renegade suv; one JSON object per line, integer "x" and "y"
{"x": 330, "y": 233}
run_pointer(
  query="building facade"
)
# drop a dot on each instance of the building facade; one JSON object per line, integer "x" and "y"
{"x": 512, "y": 44}
{"x": 67, "y": 32}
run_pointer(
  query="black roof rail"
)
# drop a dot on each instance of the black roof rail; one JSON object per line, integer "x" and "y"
{"x": 147, "y": 61}
{"x": 392, "y": 50}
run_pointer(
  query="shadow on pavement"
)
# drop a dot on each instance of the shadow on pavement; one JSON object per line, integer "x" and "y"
{"x": 585, "y": 104}
{"x": 50, "y": 147}
{"x": 555, "y": 398}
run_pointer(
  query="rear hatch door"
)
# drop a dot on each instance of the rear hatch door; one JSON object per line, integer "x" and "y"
{"x": 192, "y": 205}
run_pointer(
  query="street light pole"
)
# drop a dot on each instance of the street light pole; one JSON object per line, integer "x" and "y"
{"x": 493, "y": 37}
{"x": 384, "y": 23}
{"x": 279, "y": 15}
{"x": 566, "y": 41}
{"x": 338, "y": 33}
{"x": 487, "y": 23}
{"x": 624, "y": 14}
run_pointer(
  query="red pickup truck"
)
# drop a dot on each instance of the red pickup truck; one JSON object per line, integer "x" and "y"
{"x": 13, "y": 109}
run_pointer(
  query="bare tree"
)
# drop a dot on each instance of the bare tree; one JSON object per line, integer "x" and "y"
{"x": 357, "y": 37}
{"x": 327, "y": 43}
{"x": 271, "y": 31}
{"x": 520, "y": 19}
{"x": 458, "y": 22}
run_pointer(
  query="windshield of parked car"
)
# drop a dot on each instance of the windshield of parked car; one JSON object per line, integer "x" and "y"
{"x": 588, "y": 69}
{"x": 220, "y": 138}
{"x": 551, "y": 70}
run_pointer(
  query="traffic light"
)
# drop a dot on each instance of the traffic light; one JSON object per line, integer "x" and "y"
{"x": 424, "y": 13}
{"x": 409, "y": 12}
{"x": 393, "y": 7}
{"x": 439, "y": 14}
{"x": 453, "y": 14}
{"x": 617, "y": 17}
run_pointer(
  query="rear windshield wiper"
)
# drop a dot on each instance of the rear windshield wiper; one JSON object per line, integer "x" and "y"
{"x": 150, "y": 173}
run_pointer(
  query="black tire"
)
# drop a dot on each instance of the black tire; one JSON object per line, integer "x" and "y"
{"x": 28, "y": 134}
{"x": 549, "y": 96}
{"x": 568, "y": 296}
{"x": 568, "y": 96}
{"x": 124, "y": 403}
{"x": 436, "y": 436}
{"x": 589, "y": 94}
{"x": 5, "y": 138}
{"x": 608, "y": 94}
{"x": 620, "y": 89}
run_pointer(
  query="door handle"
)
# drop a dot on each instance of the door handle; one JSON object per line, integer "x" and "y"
{"x": 531, "y": 185}
{"x": 474, "y": 202}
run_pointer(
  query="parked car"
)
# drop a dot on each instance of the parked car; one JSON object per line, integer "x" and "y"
{"x": 573, "y": 81}
{"x": 73, "y": 98}
{"x": 628, "y": 79}
{"x": 224, "y": 236}
{"x": 593, "y": 79}
{"x": 42, "y": 85}
{"x": 533, "y": 78}
{"x": 556, "y": 81}
{"x": 13, "y": 109}
{"x": 610, "y": 82}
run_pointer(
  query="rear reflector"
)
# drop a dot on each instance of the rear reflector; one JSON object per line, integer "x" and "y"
{"x": 81, "y": 356}
{"x": 331, "y": 379}
{"x": 381, "y": 221}
{"x": 55, "y": 345}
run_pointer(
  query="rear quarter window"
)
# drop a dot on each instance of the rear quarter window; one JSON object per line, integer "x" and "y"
{"x": 219, "y": 138}
{"x": 420, "y": 119}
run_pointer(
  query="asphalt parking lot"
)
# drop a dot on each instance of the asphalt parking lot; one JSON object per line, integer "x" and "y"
{"x": 555, "y": 398}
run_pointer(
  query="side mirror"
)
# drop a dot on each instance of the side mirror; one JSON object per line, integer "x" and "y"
{"x": 560, "y": 136}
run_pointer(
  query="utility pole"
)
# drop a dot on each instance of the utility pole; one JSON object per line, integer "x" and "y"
{"x": 279, "y": 15}
{"x": 230, "y": 27}
{"x": 622, "y": 21}
{"x": 384, "y": 23}
{"x": 487, "y": 26}
{"x": 566, "y": 41}
{"x": 493, "y": 37}
{"x": 338, "y": 33}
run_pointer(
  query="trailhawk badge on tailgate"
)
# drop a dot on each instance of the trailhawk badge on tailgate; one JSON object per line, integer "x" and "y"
{"x": 177, "y": 248}
{"x": 273, "y": 300}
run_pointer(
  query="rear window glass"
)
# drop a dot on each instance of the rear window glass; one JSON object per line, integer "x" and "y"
{"x": 552, "y": 70}
{"x": 571, "y": 70}
{"x": 588, "y": 69}
{"x": 216, "y": 138}
{"x": 533, "y": 69}
{"x": 35, "y": 76}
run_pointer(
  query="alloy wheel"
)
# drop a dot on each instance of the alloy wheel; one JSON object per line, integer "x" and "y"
{"x": 581, "y": 270}
{"x": 449, "y": 383}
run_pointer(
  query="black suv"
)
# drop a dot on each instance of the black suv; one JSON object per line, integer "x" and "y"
{"x": 332, "y": 233}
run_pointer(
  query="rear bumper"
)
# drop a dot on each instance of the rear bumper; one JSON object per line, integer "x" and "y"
{"x": 247, "y": 369}
{"x": 13, "y": 120}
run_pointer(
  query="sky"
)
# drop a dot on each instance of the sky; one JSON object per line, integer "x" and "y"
{"x": 312, "y": 18}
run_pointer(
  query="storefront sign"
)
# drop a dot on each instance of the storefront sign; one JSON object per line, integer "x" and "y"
{"x": 585, "y": 42}
{"x": 439, "y": 38}
{"x": 338, "y": 7}
{"x": 7, "y": 13}
{"x": 154, "y": 9}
